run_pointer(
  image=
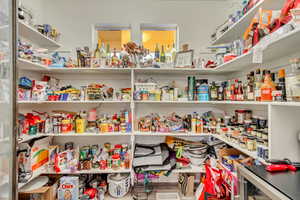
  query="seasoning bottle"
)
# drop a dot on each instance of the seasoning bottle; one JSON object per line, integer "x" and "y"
{"x": 293, "y": 81}
{"x": 258, "y": 84}
{"x": 204, "y": 90}
{"x": 281, "y": 84}
{"x": 213, "y": 92}
{"x": 250, "y": 87}
{"x": 267, "y": 88}
{"x": 240, "y": 92}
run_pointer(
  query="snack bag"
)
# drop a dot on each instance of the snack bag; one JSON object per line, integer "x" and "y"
{"x": 69, "y": 188}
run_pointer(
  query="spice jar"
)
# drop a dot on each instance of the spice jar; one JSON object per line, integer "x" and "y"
{"x": 264, "y": 135}
{"x": 250, "y": 143}
{"x": 240, "y": 116}
{"x": 248, "y": 114}
{"x": 116, "y": 161}
{"x": 262, "y": 123}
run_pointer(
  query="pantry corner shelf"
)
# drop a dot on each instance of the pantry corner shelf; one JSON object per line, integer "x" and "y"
{"x": 72, "y": 102}
{"x": 235, "y": 31}
{"x": 281, "y": 46}
{"x": 31, "y": 34}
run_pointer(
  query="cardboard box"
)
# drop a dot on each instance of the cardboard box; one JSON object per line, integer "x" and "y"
{"x": 43, "y": 193}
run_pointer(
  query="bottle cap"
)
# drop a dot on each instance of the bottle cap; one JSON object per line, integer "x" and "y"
{"x": 281, "y": 73}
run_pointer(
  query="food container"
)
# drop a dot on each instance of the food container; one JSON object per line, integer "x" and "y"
{"x": 240, "y": 116}
{"x": 264, "y": 135}
{"x": 248, "y": 114}
{"x": 118, "y": 185}
{"x": 251, "y": 143}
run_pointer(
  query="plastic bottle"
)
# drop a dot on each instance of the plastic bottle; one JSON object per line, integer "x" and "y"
{"x": 204, "y": 90}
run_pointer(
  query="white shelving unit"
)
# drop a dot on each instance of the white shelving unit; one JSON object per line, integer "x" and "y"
{"x": 92, "y": 171}
{"x": 279, "y": 47}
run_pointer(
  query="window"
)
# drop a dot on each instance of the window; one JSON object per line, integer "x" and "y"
{"x": 161, "y": 35}
{"x": 113, "y": 35}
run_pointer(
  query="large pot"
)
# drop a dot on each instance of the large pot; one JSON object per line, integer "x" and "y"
{"x": 118, "y": 185}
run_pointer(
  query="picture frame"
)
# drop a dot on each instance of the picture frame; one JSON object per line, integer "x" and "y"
{"x": 184, "y": 59}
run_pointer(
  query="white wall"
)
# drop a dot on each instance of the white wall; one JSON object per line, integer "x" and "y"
{"x": 196, "y": 19}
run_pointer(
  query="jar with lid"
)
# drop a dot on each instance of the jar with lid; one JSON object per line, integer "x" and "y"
{"x": 264, "y": 135}
{"x": 293, "y": 81}
{"x": 250, "y": 143}
{"x": 116, "y": 161}
{"x": 240, "y": 116}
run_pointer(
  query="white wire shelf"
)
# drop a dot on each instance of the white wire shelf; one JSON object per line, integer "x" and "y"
{"x": 31, "y": 34}
{"x": 237, "y": 29}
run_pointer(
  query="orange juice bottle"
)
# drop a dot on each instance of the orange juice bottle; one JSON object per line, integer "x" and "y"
{"x": 267, "y": 88}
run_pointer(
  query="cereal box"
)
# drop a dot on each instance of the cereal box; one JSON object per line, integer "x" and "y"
{"x": 69, "y": 188}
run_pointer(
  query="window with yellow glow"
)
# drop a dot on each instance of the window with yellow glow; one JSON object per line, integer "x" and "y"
{"x": 115, "y": 38}
{"x": 151, "y": 38}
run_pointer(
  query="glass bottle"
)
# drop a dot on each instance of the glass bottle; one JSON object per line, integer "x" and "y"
{"x": 97, "y": 52}
{"x": 102, "y": 55}
{"x": 213, "y": 92}
{"x": 250, "y": 87}
{"x": 173, "y": 53}
{"x": 258, "y": 84}
{"x": 228, "y": 90}
{"x": 267, "y": 88}
{"x": 115, "y": 59}
{"x": 162, "y": 55}
{"x": 204, "y": 90}
{"x": 108, "y": 55}
{"x": 168, "y": 55}
{"x": 293, "y": 81}
{"x": 157, "y": 53}
{"x": 240, "y": 92}
{"x": 282, "y": 84}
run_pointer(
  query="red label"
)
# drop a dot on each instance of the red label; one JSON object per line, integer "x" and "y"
{"x": 67, "y": 186}
{"x": 266, "y": 94}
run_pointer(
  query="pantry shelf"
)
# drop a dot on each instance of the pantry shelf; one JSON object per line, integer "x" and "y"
{"x": 206, "y": 102}
{"x": 281, "y": 46}
{"x": 34, "y": 176}
{"x": 31, "y": 66}
{"x": 26, "y": 138}
{"x": 237, "y": 29}
{"x": 31, "y": 34}
{"x": 86, "y": 134}
{"x": 170, "y": 134}
{"x": 249, "y": 153}
{"x": 71, "y": 102}
{"x": 4, "y": 139}
{"x": 296, "y": 104}
{"x": 191, "y": 169}
{"x": 181, "y": 71}
{"x": 91, "y": 171}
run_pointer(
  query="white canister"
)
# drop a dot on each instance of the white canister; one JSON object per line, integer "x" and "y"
{"x": 118, "y": 185}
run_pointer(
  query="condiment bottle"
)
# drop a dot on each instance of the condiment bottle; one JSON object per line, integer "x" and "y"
{"x": 258, "y": 84}
{"x": 267, "y": 88}
{"x": 293, "y": 81}
{"x": 213, "y": 92}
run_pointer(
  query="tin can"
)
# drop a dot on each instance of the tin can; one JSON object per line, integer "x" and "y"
{"x": 80, "y": 125}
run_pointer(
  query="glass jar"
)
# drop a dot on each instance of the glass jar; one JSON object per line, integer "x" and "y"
{"x": 240, "y": 116}
{"x": 264, "y": 135}
{"x": 293, "y": 81}
{"x": 116, "y": 162}
{"x": 250, "y": 143}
